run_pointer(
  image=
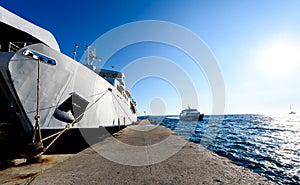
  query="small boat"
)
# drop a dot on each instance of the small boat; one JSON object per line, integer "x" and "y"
{"x": 191, "y": 115}
{"x": 292, "y": 112}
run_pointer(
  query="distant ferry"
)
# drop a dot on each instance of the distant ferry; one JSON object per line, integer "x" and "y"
{"x": 190, "y": 115}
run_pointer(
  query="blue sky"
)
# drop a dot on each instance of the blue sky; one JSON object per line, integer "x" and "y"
{"x": 256, "y": 45}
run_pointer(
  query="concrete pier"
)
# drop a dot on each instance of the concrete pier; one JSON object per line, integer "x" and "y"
{"x": 143, "y": 154}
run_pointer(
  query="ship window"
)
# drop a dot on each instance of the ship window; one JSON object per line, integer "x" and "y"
{"x": 40, "y": 57}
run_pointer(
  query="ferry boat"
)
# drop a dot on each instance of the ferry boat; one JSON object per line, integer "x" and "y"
{"x": 190, "y": 115}
{"x": 42, "y": 90}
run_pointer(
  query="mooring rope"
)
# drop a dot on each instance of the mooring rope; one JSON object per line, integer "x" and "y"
{"x": 37, "y": 116}
{"x": 46, "y": 138}
{"x": 122, "y": 108}
{"x": 69, "y": 125}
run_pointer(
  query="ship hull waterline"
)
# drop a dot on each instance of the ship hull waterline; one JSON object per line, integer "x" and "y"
{"x": 192, "y": 118}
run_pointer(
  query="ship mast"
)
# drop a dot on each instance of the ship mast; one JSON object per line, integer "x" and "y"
{"x": 292, "y": 112}
{"x": 75, "y": 51}
{"x": 91, "y": 55}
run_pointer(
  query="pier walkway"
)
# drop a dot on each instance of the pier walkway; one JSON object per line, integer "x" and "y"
{"x": 145, "y": 154}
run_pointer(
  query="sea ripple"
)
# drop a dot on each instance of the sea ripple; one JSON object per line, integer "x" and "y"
{"x": 267, "y": 145}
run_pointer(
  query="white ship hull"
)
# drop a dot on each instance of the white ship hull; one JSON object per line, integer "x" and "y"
{"x": 70, "y": 94}
{"x": 57, "y": 83}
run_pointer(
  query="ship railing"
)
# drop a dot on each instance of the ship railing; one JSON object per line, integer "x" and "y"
{"x": 15, "y": 46}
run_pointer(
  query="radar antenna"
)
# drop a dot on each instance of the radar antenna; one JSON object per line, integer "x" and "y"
{"x": 91, "y": 55}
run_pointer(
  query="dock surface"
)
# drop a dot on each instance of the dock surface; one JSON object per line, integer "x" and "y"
{"x": 145, "y": 154}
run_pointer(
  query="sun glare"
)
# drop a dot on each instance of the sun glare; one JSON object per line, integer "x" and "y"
{"x": 279, "y": 57}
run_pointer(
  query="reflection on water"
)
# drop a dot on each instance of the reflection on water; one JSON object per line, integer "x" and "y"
{"x": 268, "y": 145}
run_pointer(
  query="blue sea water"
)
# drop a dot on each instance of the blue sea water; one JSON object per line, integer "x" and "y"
{"x": 267, "y": 145}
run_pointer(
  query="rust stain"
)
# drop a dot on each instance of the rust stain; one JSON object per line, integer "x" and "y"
{"x": 47, "y": 160}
